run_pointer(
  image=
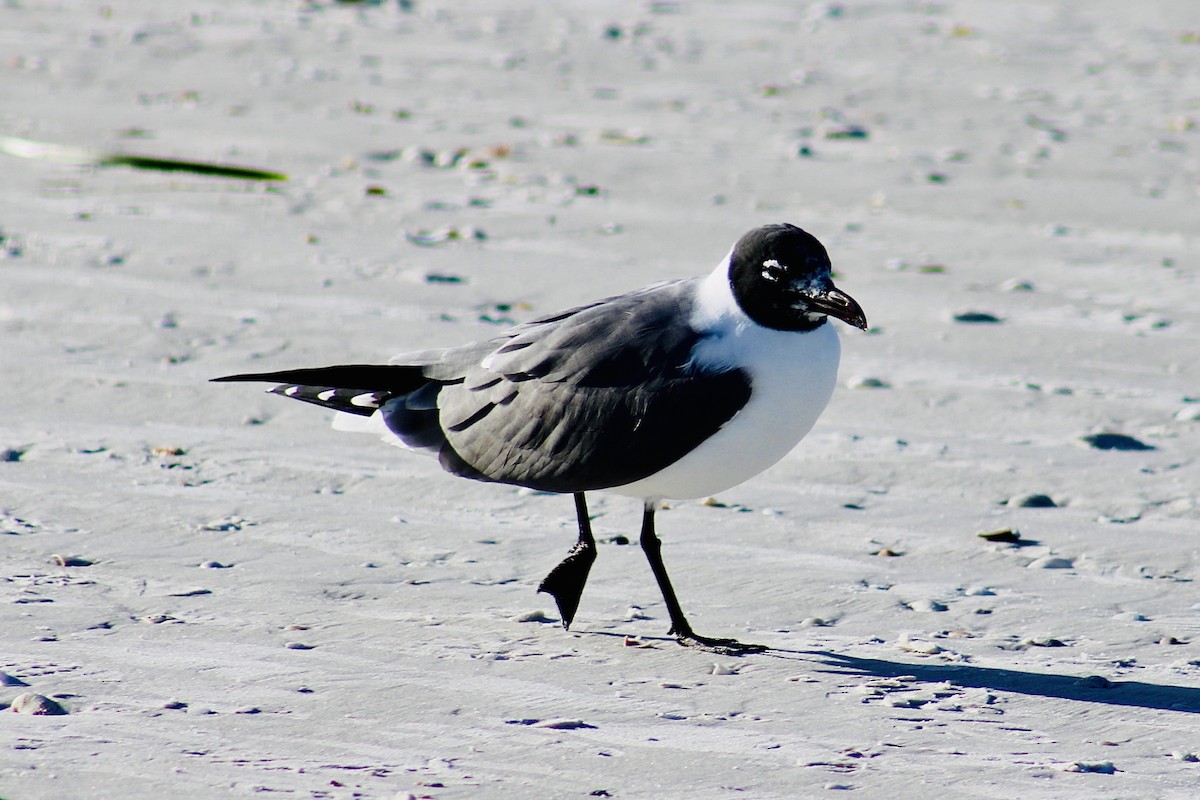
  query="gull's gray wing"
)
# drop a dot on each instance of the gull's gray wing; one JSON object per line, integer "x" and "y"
{"x": 590, "y": 398}
{"x": 594, "y": 397}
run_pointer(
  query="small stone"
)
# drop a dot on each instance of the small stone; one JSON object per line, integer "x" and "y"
{"x": 533, "y": 616}
{"x": 443, "y": 277}
{"x": 721, "y": 669}
{"x": 977, "y": 318}
{"x": 214, "y": 565}
{"x": 979, "y": 591}
{"x": 11, "y": 455}
{"x": 867, "y": 383}
{"x": 1004, "y": 535}
{"x": 563, "y": 724}
{"x": 895, "y": 701}
{"x": 224, "y": 524}
{"x": 248, "y": 710}
{"x": 10, "y": 680}
{"x": 197, "y": 592}
{"x": 1170, "y": 640}
{"x": 298, "y": 646}
{"x": 1047, "y": 641}
{"x": 174, "y": 705}
{"x": 36, "y": 704}
{"x": 163, "y": 452}
{"x": 1099, "y": 767}
{"x": 1031, "y": 501}
{"x": 1016, "y": 285}
{"x": 1115, "y": 441}
{"x": 847, "y": 132}
{"x": 928, "y": 606}
{"x": 1183, "y": 755}
{"x": 70, "y": 561}
{"x": 1052, "y": 562}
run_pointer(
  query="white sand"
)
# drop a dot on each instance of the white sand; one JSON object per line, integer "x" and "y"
{"x": 1055, "y": 143}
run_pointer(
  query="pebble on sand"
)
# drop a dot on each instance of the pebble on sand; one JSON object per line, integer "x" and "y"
{"x": 1114, "y": 441}
{"x": 1052, "y": 562}
{"x": 1099, "y": 767}
{"x": 70, "y": 561}
{"x": 926, "y": 605}
{"x": 36, "y": 704}
{"x": 1004, "y": 536}
{"x": 10, "y": 680}
{"x": 563, "y": 724}
{"x": 918, "y": 647}
{"x": 225, "y": 524}
{"x": 977, "y": 318}
{"x": 1031, "y": 501}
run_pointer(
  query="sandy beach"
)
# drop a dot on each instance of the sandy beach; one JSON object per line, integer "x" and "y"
{"x": 223, "y": 597}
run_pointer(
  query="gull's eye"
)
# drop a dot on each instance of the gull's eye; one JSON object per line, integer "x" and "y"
{"x": 772, "y": 270}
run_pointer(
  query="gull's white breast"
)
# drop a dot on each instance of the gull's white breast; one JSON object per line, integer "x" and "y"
{"x": 792, "y": 376}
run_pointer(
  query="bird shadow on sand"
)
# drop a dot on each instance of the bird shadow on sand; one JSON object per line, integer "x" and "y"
{"x": 1089, "y": 688}
{"x": 1082, "y": 688}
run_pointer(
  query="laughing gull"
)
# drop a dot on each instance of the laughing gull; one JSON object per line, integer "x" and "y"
{"x": 676, "y": 391}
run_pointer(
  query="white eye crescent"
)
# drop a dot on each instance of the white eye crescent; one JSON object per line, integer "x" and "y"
{"x": 773, "y": 270}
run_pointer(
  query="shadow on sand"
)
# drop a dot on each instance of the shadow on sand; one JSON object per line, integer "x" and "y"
{"x": 1084, "y": 688}
{"x": 1090, "y": 689}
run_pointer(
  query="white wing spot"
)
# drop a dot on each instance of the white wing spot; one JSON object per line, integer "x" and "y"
{"x": 291, "y": 390}
{"x": 327, "y": 395}
{"x": 370, "y": 400}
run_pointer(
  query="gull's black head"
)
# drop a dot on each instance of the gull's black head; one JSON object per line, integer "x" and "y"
{"x": 780, "y": 278}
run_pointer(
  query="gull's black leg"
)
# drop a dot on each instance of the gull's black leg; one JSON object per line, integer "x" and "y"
{"x": 565, "y": 582}
{"x": 682, "y": 630}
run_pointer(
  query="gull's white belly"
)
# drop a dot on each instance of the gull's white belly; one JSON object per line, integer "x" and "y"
{"x": 792, "y": 378}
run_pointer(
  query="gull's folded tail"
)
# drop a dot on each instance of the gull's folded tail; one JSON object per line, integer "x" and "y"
{"x": 351, "y": 388}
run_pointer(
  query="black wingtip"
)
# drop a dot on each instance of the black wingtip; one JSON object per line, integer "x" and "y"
{"x": 282, "y": 377}
{"x": 395, "y": 378}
